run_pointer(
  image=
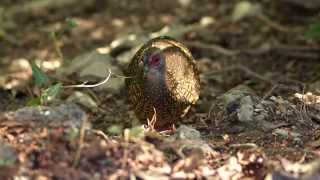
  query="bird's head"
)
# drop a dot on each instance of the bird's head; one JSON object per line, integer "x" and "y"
{"x": 153, "y": 61}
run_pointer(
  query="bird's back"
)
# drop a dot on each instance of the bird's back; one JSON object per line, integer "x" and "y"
{"x": 171, "y": 99}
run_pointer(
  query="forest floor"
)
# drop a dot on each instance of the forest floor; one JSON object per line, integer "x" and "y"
{"x": 268, "y": 47}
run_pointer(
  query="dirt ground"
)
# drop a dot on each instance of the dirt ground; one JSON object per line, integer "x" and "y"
{"x": 266, "y": 49}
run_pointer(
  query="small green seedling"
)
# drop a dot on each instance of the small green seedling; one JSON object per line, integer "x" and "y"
{"x": 313, "y": 32}
{"x": 42, "y": 81}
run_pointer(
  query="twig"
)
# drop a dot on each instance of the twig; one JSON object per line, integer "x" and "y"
{"x": 275, "y": 25}
{"x": 57, "y": 49}
{"x": 246, "y": 70}
{"x": 90, "y": 85}
{"x": 289, "y": 51}
{"x": 93, "y": 95}
{"x": 36, "y": 5}
{"x": 212, "y": 47}
{"x": 124, "y": 160}
{"x": 100, "y": 133}
{"x": 216, "y": 117}
{"x": 81, "y": 142}
{"x": 269, "y": 92}
{"x": 254, "y": 74}
{"x": 280, "y": 125}
{"x": 124, "y": 77}
{"x": 251, "y": 145}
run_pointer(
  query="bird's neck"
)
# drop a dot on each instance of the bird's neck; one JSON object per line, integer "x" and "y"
{"x": 156, "y": 85}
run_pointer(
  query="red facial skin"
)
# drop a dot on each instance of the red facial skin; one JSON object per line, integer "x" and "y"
{"x": 154, "y": 60}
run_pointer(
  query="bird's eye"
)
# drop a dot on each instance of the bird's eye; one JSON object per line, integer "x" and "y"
{"x": 154, "y": 59}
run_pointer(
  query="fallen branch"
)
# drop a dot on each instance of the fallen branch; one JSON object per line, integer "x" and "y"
{"x": 38, "y": 5}
{"x": 276, "y": 25}
{"x": 305, "y": 52}
{"x": 244, "y": 69}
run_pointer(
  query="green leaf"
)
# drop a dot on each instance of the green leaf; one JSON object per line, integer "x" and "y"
{"x": 314, "y": 31}
{"x": 72, "y": 133}
{"x": 39, "y": 76}
{"x": 53, "y": 35}
{"x": 7, "y": 156}
{"x": 34, "y": 101}
{"x": 71, "y": 23}
{"x": 115, "y": 129}
{"x": 50, "y": 93}
{"x": 136, "y": 132}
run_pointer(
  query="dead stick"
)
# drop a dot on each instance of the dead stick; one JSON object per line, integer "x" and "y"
{"x": 81, "y": 142}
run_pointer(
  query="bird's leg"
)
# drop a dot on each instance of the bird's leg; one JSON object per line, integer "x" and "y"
{"x": 151, "y": 123}
{"x": 168, "y": 131}
{"x": 150, "y": 126}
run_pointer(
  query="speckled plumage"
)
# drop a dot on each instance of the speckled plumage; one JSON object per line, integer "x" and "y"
{"x": 172, "y": 92}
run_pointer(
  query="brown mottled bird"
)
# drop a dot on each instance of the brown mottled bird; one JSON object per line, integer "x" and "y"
{"x": 163, "y": 78}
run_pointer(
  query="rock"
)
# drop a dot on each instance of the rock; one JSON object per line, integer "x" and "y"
{"x": 64, "y": 115}
{"x": 190, "y": 141}
{"x": 83, "y": 99}
{"x": 239, "y": 101}
{"x": 185, "y": 132}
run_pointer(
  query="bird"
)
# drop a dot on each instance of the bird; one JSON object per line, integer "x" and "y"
{"x": 162, "y": 81}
